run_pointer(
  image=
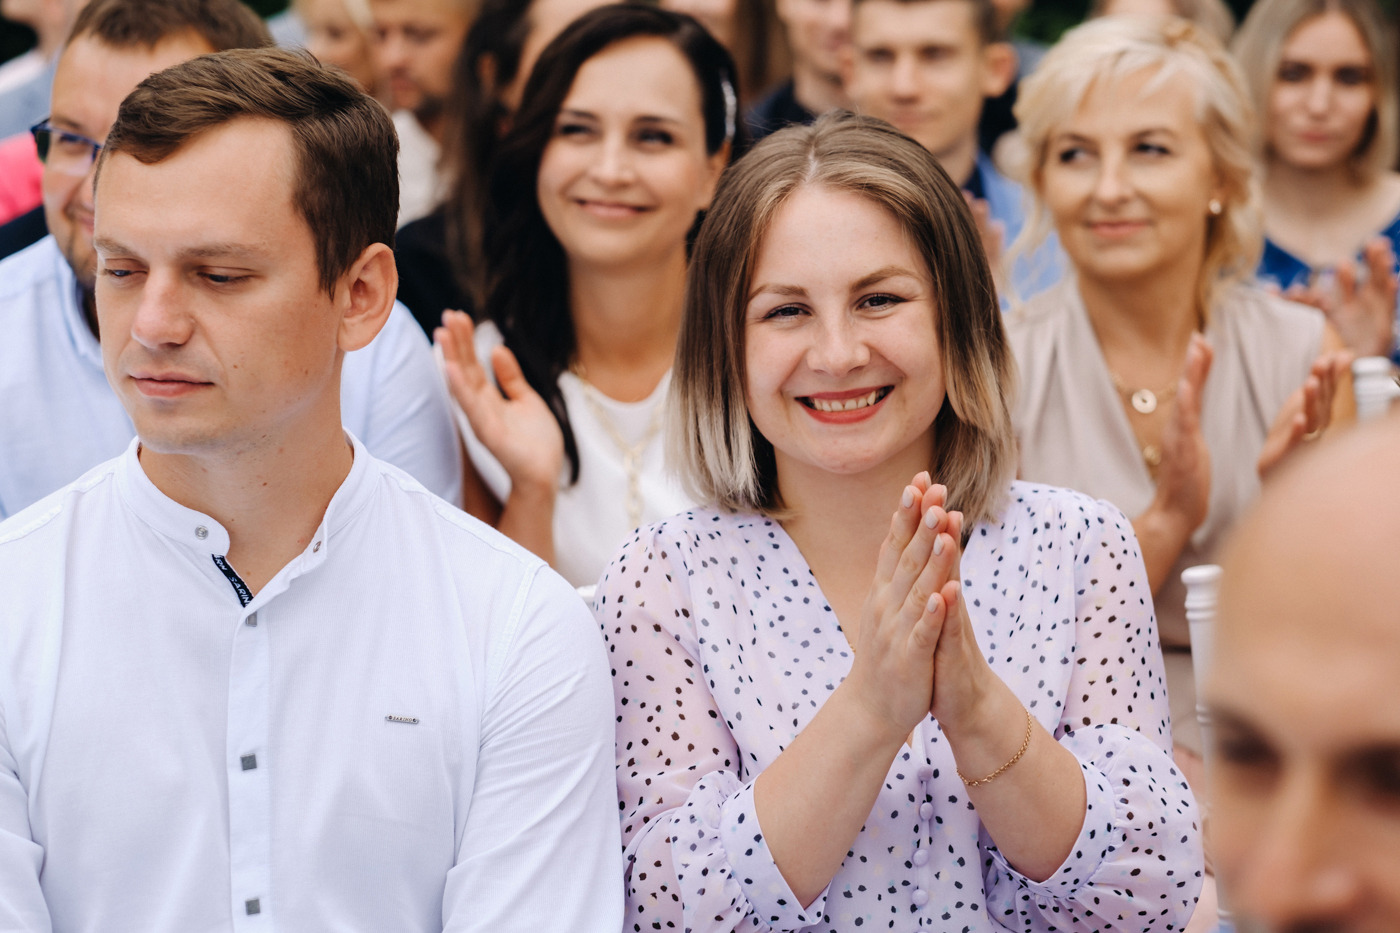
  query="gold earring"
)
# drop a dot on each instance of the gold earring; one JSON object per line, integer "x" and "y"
{"x": 1215, "y": 207}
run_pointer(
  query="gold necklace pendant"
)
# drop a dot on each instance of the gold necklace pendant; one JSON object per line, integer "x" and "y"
{"x": 1144, "y": 401}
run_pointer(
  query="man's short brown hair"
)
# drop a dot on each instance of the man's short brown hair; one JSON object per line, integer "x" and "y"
{"x": 124, "y": 24}
{"x": 346, "y": 184}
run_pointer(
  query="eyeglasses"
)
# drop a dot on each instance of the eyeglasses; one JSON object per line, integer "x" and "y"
{"x": 70, "y": 153}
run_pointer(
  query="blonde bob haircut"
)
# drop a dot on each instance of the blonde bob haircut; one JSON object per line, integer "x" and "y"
{"x": 722, "y": 458}
{"x": 1107, "y": 51}
{"x": 1259, "y": 49}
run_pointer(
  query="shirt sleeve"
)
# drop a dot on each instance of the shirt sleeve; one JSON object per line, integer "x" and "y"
{"x": 695, "y": 857}
{"x": 395, "y": 402}
{"x": 1140, "y": 816}
{"x": 540, "y": 849}
{"x": 22, "y": 906}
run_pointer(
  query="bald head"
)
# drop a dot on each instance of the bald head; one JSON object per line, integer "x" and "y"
{"x": 1306, "y": 693}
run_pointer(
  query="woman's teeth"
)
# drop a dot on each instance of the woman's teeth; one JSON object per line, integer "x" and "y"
{"x": 847, "y": 404}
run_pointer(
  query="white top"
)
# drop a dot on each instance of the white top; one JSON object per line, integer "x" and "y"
{"x": 723, "y": 648}
{"x": 60, "y": 418}
{"x": 420, "y": 183}
{"x": 407, "y": 729}
{"x": 590, "y": 516}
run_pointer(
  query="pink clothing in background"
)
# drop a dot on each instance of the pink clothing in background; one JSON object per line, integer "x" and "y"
{"x": 20, "y": 174}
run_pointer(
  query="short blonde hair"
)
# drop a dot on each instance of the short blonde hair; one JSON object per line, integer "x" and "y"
{"x": 1109, "y": 50}
{"x": 1259, "y": 48}
{"x": 720, "y": 454}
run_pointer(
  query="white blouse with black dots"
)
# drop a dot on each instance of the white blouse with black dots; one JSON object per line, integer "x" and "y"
{"x": 723, "y": 647}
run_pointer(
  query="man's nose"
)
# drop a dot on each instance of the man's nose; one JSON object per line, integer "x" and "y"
{"x": 161, "y": 319}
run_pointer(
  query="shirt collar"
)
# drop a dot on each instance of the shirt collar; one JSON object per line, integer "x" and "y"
{"x": 201, "y": 533}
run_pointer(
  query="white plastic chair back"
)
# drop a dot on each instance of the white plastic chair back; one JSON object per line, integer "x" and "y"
{"x": 1373, "y": 381}
{"x": 1202, "y": 592}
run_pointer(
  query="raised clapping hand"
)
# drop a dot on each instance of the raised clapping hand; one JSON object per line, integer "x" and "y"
{"x": 915, "y": 651}
{"x": 517, "y": 428}
{"x": 1308, "y": 410}
{"x": 1183, "y": 478}
{"x": 1361, "y": 304}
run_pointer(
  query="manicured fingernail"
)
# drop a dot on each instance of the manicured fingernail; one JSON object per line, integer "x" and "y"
{"x": 907, "y": 499}
{"x": 931, "y": 518}
{"x": 933, "y": 601}
{"x": 937, "y": 545}
{"x": 925, "y": 477}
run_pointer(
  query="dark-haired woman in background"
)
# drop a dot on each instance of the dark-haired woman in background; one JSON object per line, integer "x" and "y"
{"x": 440, "y": 255}
{"x": 626, "y": 125}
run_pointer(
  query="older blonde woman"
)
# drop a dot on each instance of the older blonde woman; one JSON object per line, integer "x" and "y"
{"x": 875, "y": 683}
{"x": 1152, "y": 377}
{"x": 1322, "y": 73}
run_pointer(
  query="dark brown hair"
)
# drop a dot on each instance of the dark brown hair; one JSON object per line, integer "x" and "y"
{"x": 224, "y": 24}
{"x": 528, "y": 293}
{"x": 347, "y": 181}
{"x": 714, "y": 444}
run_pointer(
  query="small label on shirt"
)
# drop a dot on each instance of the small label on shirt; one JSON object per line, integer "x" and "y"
{"x": 245, "y": 595}
{"x": 407, "y": 720}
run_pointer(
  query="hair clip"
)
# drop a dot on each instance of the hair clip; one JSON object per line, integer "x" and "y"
{"x": 731, "y": 108}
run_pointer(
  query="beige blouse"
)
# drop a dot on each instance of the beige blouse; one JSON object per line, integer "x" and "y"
{"x": 1073, "y": 430}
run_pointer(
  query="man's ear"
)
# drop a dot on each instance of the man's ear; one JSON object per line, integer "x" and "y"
{"x": 365, "y": 295}
{"x": 999, "y": 64}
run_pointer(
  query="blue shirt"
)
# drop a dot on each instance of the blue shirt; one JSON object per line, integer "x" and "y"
{"x": 59, "y": 418}
{"x": 1036, "y": 270}
{"x": 1280, "y": 267}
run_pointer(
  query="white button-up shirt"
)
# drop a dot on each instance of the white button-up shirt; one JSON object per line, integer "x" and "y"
{"x": 408, "y": 728}
{"x": 59, "y": 418}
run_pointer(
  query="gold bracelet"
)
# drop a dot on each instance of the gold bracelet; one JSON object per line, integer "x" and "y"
{"x": 1025, "y": 744}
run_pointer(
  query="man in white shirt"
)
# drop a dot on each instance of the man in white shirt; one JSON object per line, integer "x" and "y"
{"x": 252, "y": 678}
{"x": 1305, "y": 695}
{"x": 58, "y": 416}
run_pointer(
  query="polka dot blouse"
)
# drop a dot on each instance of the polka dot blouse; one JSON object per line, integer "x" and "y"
{"x": 723, "y": 648}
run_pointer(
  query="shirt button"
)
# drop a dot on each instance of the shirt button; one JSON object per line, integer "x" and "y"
{"x": 251, "y": 620}
{"x": 201, "y": 532}
{"x": 316, "y": 547}
{"x": 921, "y": 857}
{"x": 925, "y": 773}
{"x": 920, "y": 897}
{"x": 925, "y": 810}
{"x": 252, "y": 906}
{"x": 249, "y": 762}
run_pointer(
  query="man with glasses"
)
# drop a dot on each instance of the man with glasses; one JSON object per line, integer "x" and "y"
{"x": 58, "y": 416}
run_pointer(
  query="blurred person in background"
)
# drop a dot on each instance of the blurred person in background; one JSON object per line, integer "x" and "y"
{"x": 819, "y": 41}
{"x": 1305, "y": 697}
{"x": 1139, "y": 134}
{"x": 341, "y": 33}
{"x": 440, "y": 255}
{"x": 626, "y": 123}
{"x": 753, "y": 34}
{"x": 1323, "y": 76}
{"x": 927, "y": 67}
{"x": 25, "y": 80}
{"x": 415, "y": 44}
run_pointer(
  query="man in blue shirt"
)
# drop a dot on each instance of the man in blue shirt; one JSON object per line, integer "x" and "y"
{"x": 58, "y": 416}
{"x": 928, "y": 66}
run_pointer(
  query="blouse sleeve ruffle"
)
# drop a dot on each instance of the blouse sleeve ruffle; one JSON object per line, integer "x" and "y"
{"x": 725, "y": 871}
{"x": 1140, "y": 818}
